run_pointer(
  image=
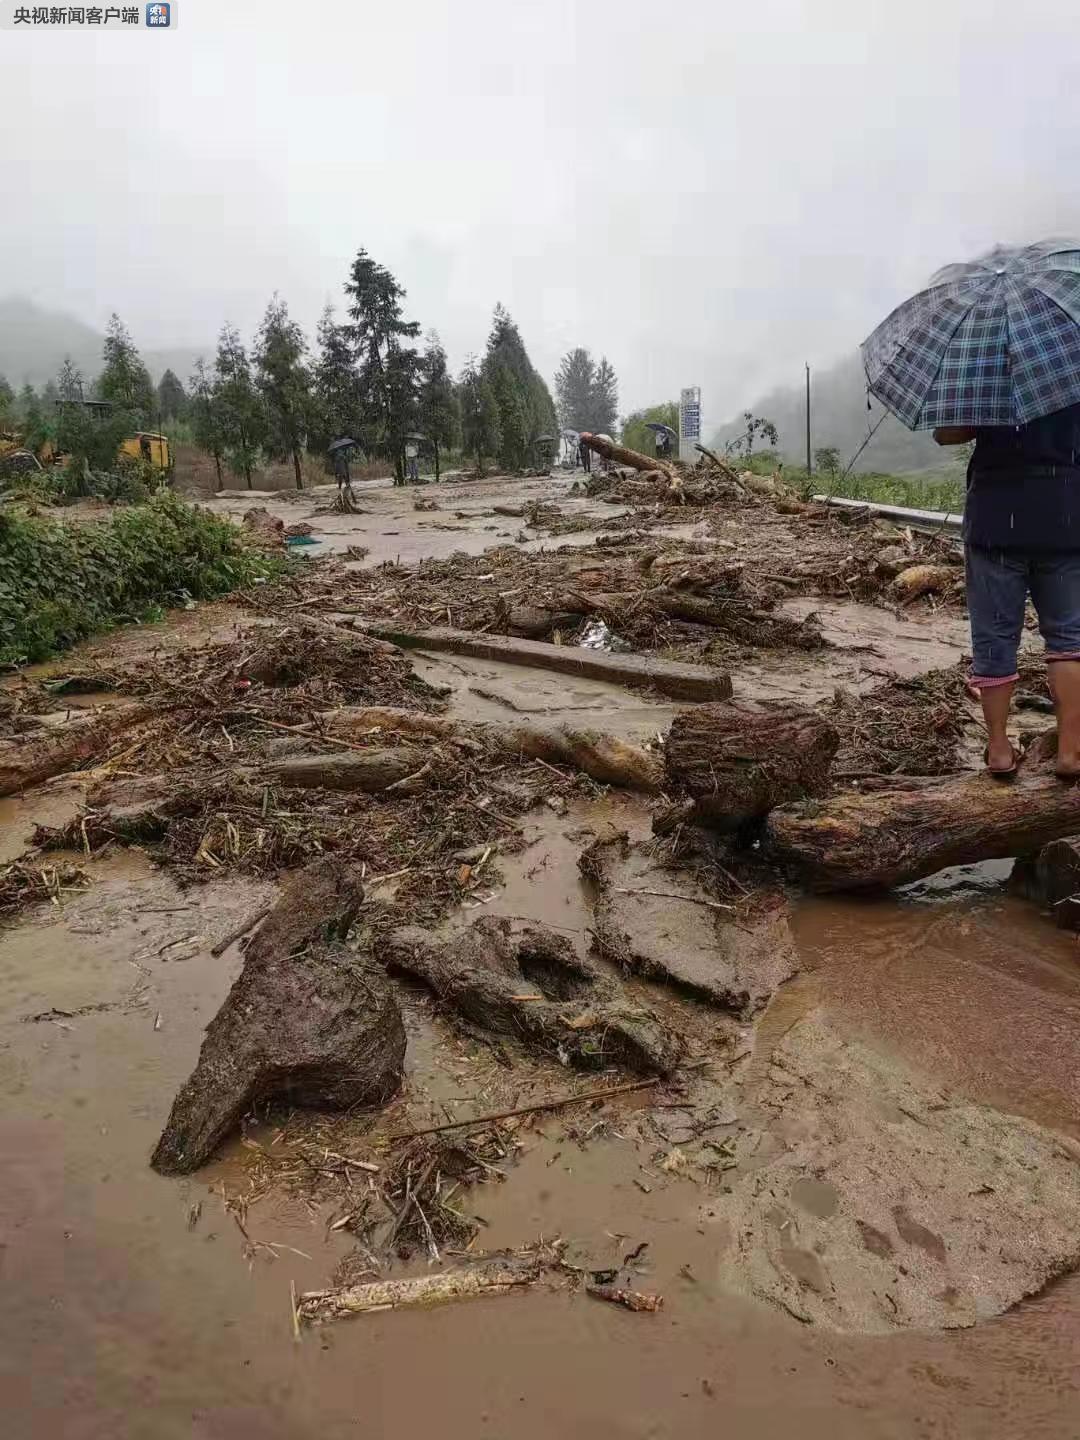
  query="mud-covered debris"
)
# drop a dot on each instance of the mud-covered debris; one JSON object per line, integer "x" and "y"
{"x": 533, "y": 985}
{"x": 306, "y": 1022}
{"x": 264, "y": 529}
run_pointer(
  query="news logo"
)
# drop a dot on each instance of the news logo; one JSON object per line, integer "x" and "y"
{"x": 158, "y": 16}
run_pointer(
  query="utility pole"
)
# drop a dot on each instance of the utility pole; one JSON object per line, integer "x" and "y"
{"x": 809, "y": 469}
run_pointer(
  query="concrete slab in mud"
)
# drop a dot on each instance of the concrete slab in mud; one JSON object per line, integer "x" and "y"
{"x": 670, "y": 677}
{"x": 881, "y": 1203}
{"x": 663, "y": 925}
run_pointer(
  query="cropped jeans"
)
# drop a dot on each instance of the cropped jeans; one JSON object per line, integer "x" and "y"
{"x": 998, "y": 584}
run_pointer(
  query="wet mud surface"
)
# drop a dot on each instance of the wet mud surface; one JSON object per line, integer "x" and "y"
{"x": 843, "y": 1210}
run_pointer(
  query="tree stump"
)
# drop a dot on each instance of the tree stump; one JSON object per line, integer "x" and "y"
{"x": 736, "y": 763}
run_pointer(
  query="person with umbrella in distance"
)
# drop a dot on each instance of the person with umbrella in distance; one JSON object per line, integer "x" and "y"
{"x": 990, "y": 353}
{"x": 339, "y": 451}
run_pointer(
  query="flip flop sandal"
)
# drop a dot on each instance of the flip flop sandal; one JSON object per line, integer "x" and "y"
{"x": 1005, "y": 775}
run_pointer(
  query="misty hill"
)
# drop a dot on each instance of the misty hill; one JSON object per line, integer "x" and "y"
{"x": 839, "y": 417}
{"x": 34, "y": 342}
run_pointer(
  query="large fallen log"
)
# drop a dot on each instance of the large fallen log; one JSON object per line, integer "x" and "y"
{"x": 890, "y": 837}
{"x": 55, "y": 751}
{"x": 736, "y": 761}
{"x": 372, "y": 772}
{"x": 307, "y": 1022}
{"x": 622, "y": 455}
{"x": 533, "y": 985}
{"x": 605, "y": 758}
{"x": 669, "y": 677}
{"x": 737, "y": 615}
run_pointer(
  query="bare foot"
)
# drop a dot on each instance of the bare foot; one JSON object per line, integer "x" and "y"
{"x": 1067, "y": 766}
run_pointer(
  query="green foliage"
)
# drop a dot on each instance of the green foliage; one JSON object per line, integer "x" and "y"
{"x": 574, "y": 382}
{"x": 605, "y": 399}
{"x": 753, "y": 426}
{"x": 35, "y": 425}
{"x": 69, "y": 382}
{"x": 635, "y": 433}
{"x": 125, "y": 380}
{"x": 480, "y": 434}
{"x": 941, "y": 491}
{"x": 336, "y": 399}
{"x": 388, "y": 371}
{"x": 439, "y": 410}
{"x": 89, "y": 437}
{"x": 526, "y": 409}
{"x": 61, "y": 582}
{"x": 205, "y": 415}
{"x": 240, "y": 412}
{"x": 284, "y": 383}
{"x": 827, "y": 460}
{"x": 172, "y": 400}
{"x": 7, "y": 404}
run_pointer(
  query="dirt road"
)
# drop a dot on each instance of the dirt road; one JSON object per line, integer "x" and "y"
{"x": 843, "y": 1208}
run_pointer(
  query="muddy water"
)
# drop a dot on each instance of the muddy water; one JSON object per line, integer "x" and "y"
{"x": 120, "y": 1320}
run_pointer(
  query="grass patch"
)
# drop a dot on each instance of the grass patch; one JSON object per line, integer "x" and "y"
{"x": 60, "y": 582}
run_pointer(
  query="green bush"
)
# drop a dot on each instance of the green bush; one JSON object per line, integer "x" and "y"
{"x": 62, "y": 582}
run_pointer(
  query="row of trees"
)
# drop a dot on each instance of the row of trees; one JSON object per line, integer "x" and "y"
{"x": 367, "y": 378}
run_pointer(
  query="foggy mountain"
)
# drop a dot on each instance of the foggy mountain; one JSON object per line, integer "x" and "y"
{"x": 839, "y": 417}
{"x": 34, "y": 342}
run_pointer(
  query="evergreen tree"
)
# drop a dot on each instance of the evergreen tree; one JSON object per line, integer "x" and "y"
{"x": 69, "y": 383}
{"x": 388, "y": 369}
{"x": 526, "y": 409}
{"x": 604, "y": 406}
{"x": 241, "y": 413}
{"x": 32, "y": 421}
{"x": 439, "y": 411}
{"x": 479, "y": 414}
{"x": 285, "y": 384}
{"x": 171, "y": 398}
{"x": 125, "y": 380}
{"x": 336, "y": 391}
{"x": 7, "y": 403}
{"x": 205, "y": 415}
{"x": 574, "y": 385}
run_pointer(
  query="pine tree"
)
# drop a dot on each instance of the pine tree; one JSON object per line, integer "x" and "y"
{"x": 69, "y": 382}
{"x": 32, "y": 421}
{"x": 526, "y": 409}
{"x": 440, "y": 414}
{"x": 7, "y": 403}
{"x": 574, "y": 385}
{"x": 479, "y": 414}
{"x": 387, "y": 369}
{"x": 604, "y": 400}
{"x": 285, "y": 383}
{"x": 241, "y": 413}
{"x": 125, "y": 380}
{"x": 205, "y": 415}
{"x": 335, "y": 394}
{"x": 171, "y": 398}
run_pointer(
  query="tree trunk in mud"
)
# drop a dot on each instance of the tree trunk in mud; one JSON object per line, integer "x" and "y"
{"x": 734, "y": 615}
{"x": 737, "y": 763}
{"x": 605, "y": 758}
{"x": 533, "y": 985}
{"x": 25, "y": 763}
{"x": 307, "y": 1023}
{"x": 1052, "y": 878}
{"x": 373, "y": 772}
{"x": 889, "y": 838}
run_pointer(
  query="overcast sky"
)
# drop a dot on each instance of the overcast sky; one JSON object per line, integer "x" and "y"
{"x": 708, "y": 193}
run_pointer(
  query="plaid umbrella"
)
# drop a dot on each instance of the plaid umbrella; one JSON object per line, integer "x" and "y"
{"x": 994, "y": 341}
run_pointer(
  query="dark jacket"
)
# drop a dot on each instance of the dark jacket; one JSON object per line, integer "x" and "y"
{"x": 1023, "y": 485}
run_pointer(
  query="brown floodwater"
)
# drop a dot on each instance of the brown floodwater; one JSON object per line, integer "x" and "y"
{"x": 121, "y": 1320}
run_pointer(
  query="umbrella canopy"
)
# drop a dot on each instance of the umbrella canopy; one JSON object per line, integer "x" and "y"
{"x": 415, "y": 435}
{"x": 994, "y": 341}
{"x": 658, "y": 429}
{"x": 343, "y": 444}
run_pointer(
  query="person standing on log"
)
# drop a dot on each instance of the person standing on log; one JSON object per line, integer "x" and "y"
{"x": 585, "y": 457}
{"x": 1021, "y": 537}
